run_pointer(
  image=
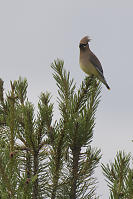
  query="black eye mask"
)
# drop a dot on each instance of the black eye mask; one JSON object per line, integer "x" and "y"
{"x": 82, "y": 45}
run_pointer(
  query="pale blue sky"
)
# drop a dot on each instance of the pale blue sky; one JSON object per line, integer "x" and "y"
{"x": 34, "y": 33}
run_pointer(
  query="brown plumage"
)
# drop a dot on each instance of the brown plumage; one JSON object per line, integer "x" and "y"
{"x": 89, "y": 63}
{"x": 85, "y": 40}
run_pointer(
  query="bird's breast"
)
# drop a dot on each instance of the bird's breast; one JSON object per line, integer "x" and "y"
{"x": 88, "y": 67}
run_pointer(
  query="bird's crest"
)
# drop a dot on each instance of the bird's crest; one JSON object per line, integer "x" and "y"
{"x": 85, "y": 40}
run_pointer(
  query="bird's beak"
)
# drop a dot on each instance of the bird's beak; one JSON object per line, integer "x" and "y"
{"x": 80, "y": 45}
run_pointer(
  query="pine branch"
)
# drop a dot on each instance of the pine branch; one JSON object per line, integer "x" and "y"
{"x": 35, "y": 172}
{"x": 83, "y": 93}
{"x": 65, "y": 85}
{"x": 66, "y": 90}
{"x": 2, "y": 101}
{"x": 45, "y": 115}
{"x": 78, "y": 112}
{"x": 5, "y": 179}
{"x": 116, "y": 174}
{"x": 75, "y": 169}
{"x": 38, "y": 167}
{"x": 21, "y": 89}
{"x": 58, "y": 163}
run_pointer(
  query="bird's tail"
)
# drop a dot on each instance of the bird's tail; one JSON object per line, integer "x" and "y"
{"x": 107, "y": 86}
{"x": 103, "y": 80}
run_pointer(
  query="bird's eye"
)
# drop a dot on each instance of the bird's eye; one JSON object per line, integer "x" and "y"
{"x": 84, "y": 45}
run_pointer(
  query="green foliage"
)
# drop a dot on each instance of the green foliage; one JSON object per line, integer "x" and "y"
{"x": 77, "y": 122}
{"x": 42, "y": 158}
{"x": 119, "y": 177}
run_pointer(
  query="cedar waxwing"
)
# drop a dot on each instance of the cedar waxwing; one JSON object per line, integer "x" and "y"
{"x": 89, "y": 63}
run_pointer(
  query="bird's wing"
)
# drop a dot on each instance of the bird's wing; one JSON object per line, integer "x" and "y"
{"x": 94, "y": 60}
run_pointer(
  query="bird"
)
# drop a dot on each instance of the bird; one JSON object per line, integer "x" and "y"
{"x": 89, "y": 63}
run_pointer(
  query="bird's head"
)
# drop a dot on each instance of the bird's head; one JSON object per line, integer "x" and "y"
{"x": 84, "y": 43}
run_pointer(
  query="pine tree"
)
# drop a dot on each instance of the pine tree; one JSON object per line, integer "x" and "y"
{"x": 119, "y": 176}
{"x": 42, "y": 158}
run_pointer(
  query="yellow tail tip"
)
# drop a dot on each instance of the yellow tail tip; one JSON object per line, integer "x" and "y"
{"x": 108, "y": 87}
